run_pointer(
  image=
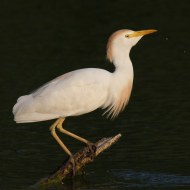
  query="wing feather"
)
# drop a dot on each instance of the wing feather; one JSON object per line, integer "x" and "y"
{"x": 74, "y": 93}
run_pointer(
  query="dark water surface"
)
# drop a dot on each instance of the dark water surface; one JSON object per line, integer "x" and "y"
{"x": 40, "y": 40}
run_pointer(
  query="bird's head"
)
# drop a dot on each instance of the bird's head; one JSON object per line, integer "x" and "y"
{"x": 123, "y": 40}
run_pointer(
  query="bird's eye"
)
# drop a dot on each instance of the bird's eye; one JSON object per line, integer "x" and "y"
{"x": 127, "y": 35}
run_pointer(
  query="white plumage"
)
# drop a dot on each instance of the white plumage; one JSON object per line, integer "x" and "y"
{"x": 84, "y": 90}
{"x": 68, "y": 95}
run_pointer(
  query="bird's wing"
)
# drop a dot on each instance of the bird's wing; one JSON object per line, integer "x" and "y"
{"x": 81, "y": 77}
{"x": 74, "y": 93}
{"x": 42, "y": 89}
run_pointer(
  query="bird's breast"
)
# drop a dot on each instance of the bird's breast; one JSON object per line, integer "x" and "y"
{"x": 119, "y": 94}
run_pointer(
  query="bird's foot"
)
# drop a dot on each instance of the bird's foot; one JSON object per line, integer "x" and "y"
{"x": 92, "y": 150}
{"x": 73, "y": 162}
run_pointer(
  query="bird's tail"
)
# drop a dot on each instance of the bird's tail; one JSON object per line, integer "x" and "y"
{"x": 24, "y": 111}
{"x": 21, "y": 107}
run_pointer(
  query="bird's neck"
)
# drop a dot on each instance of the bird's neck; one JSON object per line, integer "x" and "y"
{"x": 121, "y": 83}
{"x": 123, "y": 65}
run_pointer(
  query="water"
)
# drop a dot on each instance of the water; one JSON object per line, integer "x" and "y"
{"x": 40, "y": 41}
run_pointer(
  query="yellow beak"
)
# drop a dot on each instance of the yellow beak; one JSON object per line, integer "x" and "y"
{"x": 141, "y": 33}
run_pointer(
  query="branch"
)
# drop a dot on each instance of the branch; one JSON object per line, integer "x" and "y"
{"x": 82, "y": 157}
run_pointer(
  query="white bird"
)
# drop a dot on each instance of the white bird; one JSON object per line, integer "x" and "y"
{"x": 82, "y": 91}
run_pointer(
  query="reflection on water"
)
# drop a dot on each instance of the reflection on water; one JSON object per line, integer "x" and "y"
{"x": 130, "y": 178}
{"x": 40, "y": 41}
{"x": 125, "y": 179}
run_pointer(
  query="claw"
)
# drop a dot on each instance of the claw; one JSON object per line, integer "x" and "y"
{"x": 92, "y": 147}
{"x": 92, "y": 150}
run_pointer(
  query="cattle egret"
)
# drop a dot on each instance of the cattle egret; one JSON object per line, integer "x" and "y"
{"x": 82, "y": 91}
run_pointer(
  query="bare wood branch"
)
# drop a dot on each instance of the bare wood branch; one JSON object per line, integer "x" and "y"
{"x": 82, "y": 157}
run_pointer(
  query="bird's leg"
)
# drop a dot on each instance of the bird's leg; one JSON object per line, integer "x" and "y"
{"x": 91, "y": 145}
{"x": 53, "y": 132}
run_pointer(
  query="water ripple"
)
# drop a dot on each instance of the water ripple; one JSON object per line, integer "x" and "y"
{"x": 145, "y": 179}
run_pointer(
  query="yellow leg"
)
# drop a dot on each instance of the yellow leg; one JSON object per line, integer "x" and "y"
{"x": 58, "y": 123}
{"x": 52, "y": 129}
{"x": 60, "y": 128}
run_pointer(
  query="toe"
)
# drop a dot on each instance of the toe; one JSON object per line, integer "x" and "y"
{"x": 92, "y": 147}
